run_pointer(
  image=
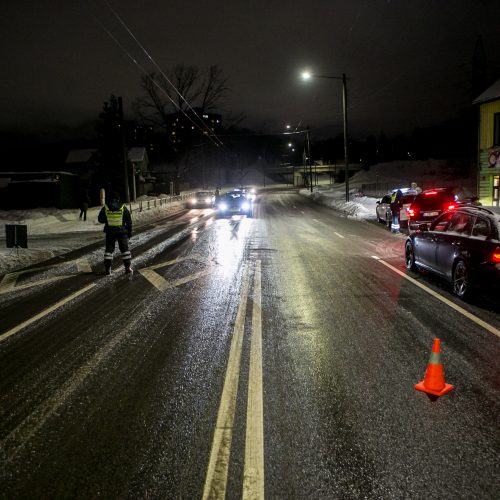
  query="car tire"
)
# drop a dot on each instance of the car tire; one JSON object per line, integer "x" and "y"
{"x": 410, "y": 257}
{"x": 460, "y": 279}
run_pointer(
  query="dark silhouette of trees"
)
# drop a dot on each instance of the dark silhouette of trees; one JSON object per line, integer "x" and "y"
{"x": 203, "y": 90}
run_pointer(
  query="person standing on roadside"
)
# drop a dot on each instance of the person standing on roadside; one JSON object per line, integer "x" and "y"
{"x": 395, "y": 208}
{"x": 118, "y": 228}
{"x": 84, "y": 204}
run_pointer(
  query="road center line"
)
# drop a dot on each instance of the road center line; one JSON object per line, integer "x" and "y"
{"x": 253, "y": 474}
{"x": 216, "y": 480}
{"x": 339, "y": 235}
{"x": 457, "y": 308}
{"x": 40, "y": 315}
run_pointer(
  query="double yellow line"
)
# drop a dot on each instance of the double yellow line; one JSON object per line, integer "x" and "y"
{"x": 253, "y": 474}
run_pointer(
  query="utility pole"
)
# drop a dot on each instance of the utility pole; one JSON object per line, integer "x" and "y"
{"x": 309, "y": 159}
{"x": 124, "y": 150}
{"x": 344, "y": 104}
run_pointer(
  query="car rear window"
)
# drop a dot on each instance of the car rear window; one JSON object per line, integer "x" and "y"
{"x": 431, "y": 201}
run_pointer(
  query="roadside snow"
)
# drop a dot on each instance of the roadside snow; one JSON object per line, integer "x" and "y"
{"x": 53, "y": 232}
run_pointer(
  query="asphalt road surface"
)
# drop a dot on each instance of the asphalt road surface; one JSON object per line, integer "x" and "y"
{"x": 266, "y": 357}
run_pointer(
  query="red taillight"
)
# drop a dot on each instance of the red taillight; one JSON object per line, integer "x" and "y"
{"x": 411, "y": 212}
{"x": 430, "y": 193}
{"x": 495, "y": 255}
{"x": 449, "y": 207}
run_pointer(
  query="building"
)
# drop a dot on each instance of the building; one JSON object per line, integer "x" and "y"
{"x": 184, "y": 129}
{"x": 489, "y": 146}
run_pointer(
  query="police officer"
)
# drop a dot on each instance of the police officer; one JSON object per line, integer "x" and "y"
{"x": 395, "y": 208}
{"x": 118, "y": 228}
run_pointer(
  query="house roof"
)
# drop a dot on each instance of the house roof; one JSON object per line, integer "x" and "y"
{"x": 137, "y": 154}
{"x": 80, "y": 155}
{"x": 490, "y": 94}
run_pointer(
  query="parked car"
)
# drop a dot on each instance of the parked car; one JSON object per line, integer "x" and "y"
{"x": 201, "y": 199}
{"x": 234, "y": 203}
{"x": 383, "y": 208}
{"x": 461, "y": 245}
{"x": 431, "y": 203}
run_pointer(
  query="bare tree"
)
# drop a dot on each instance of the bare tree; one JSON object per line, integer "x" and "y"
{"x": 194, "y": 88}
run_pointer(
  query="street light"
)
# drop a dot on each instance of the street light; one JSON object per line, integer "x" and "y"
{"x": 308, "y": 157}
{"x": 307, "y": 75}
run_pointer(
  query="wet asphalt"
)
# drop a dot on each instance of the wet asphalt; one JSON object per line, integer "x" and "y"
{"x": 116, "y": 393}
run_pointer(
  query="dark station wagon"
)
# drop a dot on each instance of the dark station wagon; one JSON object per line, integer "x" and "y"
{"x": 461, "y": 245}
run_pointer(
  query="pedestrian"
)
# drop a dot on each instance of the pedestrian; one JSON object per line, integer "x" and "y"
{"x": 84, "y": 204}
{"x": 396, "y": 197}
{"x": 118, "y": 228}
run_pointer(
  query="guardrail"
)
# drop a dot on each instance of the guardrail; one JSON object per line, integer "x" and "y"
{"x": 142, "y": 205}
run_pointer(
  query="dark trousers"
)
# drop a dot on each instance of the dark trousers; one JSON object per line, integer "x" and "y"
{"x": 83, "y": 210}
{"x": 122, "y": 239}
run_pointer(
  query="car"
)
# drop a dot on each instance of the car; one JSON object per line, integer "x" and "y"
{"x": 234, "y": 203}
{"x": 249, "y": 192}
{"x": 201, "y": 199}
{"x": 383, "y": 208}
{"x": 431, "y": 203}
{"x": 461, "y": 245}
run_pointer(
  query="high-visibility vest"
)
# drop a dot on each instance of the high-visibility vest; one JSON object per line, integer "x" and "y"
{"x": 114, "y": 217}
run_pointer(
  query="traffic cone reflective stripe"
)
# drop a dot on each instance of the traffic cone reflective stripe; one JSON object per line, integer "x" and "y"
{"x": 433, "y": 382}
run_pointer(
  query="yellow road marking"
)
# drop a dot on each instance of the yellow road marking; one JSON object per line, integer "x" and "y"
{"x": 40, "y": 315}
{"x": 457, "y": 308}
{"x": 8, "y": 283}
{"x": 216, "y": 480}
{"x": 13, "y": 286}
{"x": 253, "y": 474}
{"x": 161, "y": 283}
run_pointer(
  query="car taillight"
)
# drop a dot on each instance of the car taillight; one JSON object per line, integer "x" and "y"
{"x": 449, "y": 206}
{"x": 411, "y": 212}
{"x": 430, "y": 193}
{"x": 495, "y": 255}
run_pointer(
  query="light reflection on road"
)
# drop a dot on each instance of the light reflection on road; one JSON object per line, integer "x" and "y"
{"x": 230, "y": 238}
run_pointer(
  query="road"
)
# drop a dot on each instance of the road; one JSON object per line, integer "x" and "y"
{"x": 274, "y": 357}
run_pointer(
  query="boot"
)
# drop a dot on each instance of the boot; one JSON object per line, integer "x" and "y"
{"x": 107, "y": 267}
{"x": 128, "y": 267}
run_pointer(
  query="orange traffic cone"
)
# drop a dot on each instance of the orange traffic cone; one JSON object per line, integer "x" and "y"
{"x": 433, "y": 382}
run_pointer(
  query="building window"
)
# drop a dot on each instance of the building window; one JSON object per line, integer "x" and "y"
{"x": 496, "y": 129}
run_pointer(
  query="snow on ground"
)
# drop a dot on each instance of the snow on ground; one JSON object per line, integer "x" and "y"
{"x": 52, "y": 232}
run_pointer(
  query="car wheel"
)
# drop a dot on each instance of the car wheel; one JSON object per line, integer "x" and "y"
{"x": 410, "y": 257}
{"x": 460, "y": 279}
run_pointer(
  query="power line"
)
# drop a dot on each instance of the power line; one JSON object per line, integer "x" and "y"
{"x": 217, "y": 142}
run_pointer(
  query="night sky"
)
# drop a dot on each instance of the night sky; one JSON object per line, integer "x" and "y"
{"x": 409, "y": 62}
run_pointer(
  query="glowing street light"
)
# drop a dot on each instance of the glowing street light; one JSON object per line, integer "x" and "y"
{"x": 307, "y": 75}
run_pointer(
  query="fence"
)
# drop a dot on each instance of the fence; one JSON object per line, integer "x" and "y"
{"x": 140, "y": 206}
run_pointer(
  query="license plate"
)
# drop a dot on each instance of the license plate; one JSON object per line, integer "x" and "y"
{"x": 430, "y": 214}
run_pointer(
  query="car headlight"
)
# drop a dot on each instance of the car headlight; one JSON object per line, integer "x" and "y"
{"x": 245, "y": 205}
{"x": 193, "y": 201}
{"x": 222, "y": 206}
{"x": 207, "y": 200}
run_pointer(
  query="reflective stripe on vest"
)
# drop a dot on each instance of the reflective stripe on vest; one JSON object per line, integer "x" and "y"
{"x": 115, "y": 218}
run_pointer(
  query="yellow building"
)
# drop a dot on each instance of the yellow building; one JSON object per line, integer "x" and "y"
{"x": 489, "y": 146}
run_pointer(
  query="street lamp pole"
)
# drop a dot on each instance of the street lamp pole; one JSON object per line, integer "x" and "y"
{"x": 309, "y": 160}
{"x": 306, "y": 76}
{"x": 344, "y": 103}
